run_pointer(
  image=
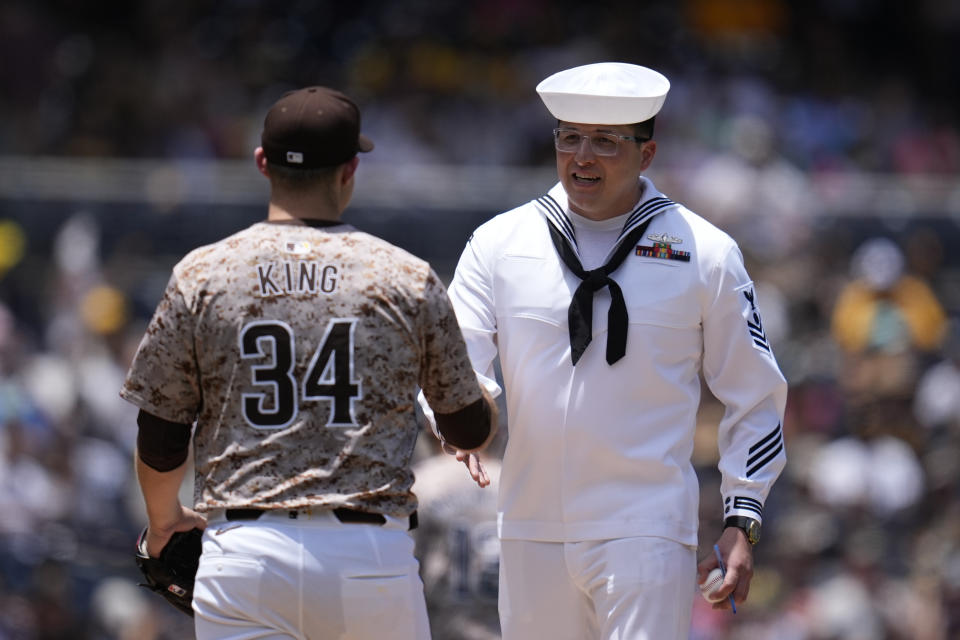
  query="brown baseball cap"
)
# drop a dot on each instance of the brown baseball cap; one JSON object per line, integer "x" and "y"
{"x": 311, "y": 128}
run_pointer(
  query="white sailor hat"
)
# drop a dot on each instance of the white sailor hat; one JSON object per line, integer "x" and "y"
{"x": 604, "y": 93}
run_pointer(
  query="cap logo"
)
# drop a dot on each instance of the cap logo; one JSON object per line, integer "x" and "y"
{"x": 295, "y": 157}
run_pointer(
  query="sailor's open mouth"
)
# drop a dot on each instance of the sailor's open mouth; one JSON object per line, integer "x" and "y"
{"x": 586, "y": 179}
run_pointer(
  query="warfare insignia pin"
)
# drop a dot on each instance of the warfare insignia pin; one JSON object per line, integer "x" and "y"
{"x": 664, "y": 238}
{"x": 662, "y": 250}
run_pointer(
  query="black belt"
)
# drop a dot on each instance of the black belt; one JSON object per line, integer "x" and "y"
{"x": 343, "y": 514}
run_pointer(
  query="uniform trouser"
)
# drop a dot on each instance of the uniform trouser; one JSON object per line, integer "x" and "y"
{"x": 311, "y": 578}
{"x": 638, "y": 588}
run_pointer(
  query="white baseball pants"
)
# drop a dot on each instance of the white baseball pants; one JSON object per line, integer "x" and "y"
{"x": 638, "y": 588}
{"x": 313, "y": 578}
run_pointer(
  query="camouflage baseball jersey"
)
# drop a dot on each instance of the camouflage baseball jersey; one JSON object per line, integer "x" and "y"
{"x": 298, "y": 351}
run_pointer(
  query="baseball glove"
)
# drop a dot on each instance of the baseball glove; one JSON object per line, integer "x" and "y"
{"x": 172, "y": 574}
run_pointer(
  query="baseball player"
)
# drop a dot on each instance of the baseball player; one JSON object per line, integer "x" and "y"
{"x": 606, "y": 301}
{"x": 296, "y": 347}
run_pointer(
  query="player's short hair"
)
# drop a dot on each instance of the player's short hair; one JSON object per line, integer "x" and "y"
{"x": 292, "y": 179}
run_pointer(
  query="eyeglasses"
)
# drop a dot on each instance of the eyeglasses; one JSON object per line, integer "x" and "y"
{"x": 602, "y": 144}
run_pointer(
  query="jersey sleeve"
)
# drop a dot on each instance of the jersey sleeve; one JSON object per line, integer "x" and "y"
{"x": 472, "y": 299}
{"x": 446, "y": 378}
{"x": 163, "y": 378}
{"x": 741, "y": 371}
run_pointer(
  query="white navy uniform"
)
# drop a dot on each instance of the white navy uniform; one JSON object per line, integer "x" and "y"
{"x": 615, "y": 461}
{"x": 598, "y": 498}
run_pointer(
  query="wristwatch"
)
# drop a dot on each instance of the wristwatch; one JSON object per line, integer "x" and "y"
{"x": 750, "y": 527}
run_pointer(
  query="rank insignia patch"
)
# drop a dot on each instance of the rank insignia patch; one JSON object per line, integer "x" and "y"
{"x": 663, "y": 251}
{"x": 754, "y": 324}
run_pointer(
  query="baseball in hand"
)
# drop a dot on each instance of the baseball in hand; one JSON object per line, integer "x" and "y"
{"x": 711, "y": 585}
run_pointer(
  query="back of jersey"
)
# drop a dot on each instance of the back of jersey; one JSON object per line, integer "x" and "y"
{"x": 298, "y": 350}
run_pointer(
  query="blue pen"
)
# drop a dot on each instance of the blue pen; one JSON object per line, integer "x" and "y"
{"x": 723, "y": 572}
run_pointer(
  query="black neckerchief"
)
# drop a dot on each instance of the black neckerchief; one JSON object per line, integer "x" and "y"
{"x": 580, "y": 312}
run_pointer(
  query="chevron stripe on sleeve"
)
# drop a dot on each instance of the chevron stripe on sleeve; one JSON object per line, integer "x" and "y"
{"x": 765, "y": 450}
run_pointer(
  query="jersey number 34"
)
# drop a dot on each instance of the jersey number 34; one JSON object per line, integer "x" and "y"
{"x": 270, "y": 345}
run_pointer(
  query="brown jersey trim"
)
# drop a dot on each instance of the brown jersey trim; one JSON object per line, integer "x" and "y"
{"x": 471, "y": 427}
{"x": 162, "y": 445}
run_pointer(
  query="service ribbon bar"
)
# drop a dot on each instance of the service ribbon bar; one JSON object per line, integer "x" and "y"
{"x": 663, "y": 251}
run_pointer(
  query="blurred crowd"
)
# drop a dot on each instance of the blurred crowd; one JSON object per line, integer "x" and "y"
{"x": 862, "y": 533}
{"x": 856, "y": 84}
